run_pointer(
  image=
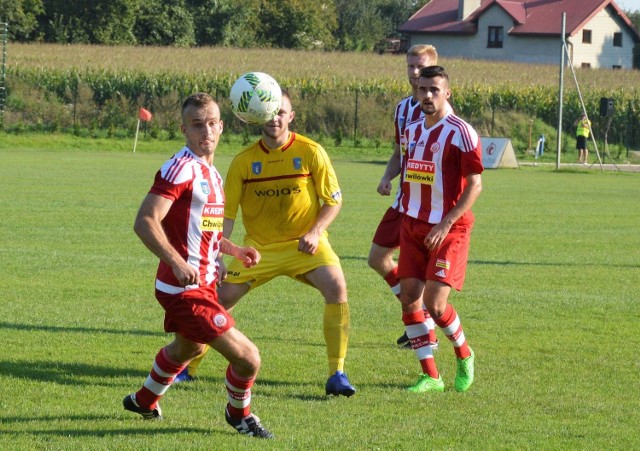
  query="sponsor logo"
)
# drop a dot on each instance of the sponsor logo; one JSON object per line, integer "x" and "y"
{"x": 297, "y": 163}
{"x": 233, "y": 273}
{"x": 491, "y": 149}
{"x": 211, "y": 220}
{"x": 337, "y": 195}
{"x": 220, "y": 320}
{"x": 420, "y": 171}
{"x": 401, "y": 121}
{"x": 204, "y": 186}
{"x": 441, "y": 273}
{"x": 278, "y": 192}
{"x": 412, "y": 147}
{"x": 443, "y": 264}
{"x": 256, "y": 167}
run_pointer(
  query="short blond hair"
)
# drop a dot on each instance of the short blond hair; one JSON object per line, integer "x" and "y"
{"x": 424, "y": 49}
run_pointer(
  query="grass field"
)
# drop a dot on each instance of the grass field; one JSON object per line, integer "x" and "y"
{"x": 550, "y": 306}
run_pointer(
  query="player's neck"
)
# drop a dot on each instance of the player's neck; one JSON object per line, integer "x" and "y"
{"x": 432, "y": 119}
{"x": 279, "y": 141}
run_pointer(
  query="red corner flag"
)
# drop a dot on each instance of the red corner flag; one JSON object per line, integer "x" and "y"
{"x": 144, "y": 115}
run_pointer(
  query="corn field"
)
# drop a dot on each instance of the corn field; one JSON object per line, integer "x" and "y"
{"x": 84, "y": 89}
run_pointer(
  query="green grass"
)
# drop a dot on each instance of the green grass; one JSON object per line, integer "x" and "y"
{"x": 550, "y": 307}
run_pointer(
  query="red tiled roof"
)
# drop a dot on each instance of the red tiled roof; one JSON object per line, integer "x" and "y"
{"x": 530, "y": 17}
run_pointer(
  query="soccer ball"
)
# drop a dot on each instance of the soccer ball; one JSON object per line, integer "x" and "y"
{"x": 255, "y": 98}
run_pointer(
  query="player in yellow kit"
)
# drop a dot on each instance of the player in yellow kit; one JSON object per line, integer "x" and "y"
{"x": 288, "y": 192}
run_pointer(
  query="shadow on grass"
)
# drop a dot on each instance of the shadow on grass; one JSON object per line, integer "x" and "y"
{"x": 69, "y": 373}
{"x": 70, "y": 433}
{"x": 50, "y": 328}
{"x": 580, "y": 264}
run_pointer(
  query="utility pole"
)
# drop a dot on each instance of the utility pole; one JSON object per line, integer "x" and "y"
{"x": 561, "y": 89}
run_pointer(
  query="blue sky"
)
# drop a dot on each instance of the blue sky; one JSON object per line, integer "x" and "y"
{"x": 629, "y": 5}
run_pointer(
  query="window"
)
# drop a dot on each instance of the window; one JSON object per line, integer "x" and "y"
{"x": 615, "y": 67}
{"x": 586, "y": 36}
{"x": 617, "y": 39}
{"x": 495, "y": 37}
{"x": 585, "y": 65}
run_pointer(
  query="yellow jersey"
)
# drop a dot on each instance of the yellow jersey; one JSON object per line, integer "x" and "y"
{"x": 280, "y": 191}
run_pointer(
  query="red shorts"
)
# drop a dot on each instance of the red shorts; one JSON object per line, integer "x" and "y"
{"x": 195, "y": 314}
{"x": 447, "y": 265}
{"x": 388, "y": 231}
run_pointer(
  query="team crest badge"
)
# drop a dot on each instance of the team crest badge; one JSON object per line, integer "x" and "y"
{"x": 256, "y": 167}
{"x": 297, "y": 163}
{"x": 435, "y": 147}
{"x": 219, "y": 320}
{"x": 204, "y": 185}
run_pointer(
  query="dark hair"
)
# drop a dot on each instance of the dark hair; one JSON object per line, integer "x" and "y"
{"x": 434, "y": 71}
{"x": 199, "y": 99}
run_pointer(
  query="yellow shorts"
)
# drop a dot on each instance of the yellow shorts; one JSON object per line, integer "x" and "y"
{"x": 281, "y": 259}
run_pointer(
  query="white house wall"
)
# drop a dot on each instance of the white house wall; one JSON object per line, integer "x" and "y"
{"x": 601, "y": 52}
{"x": 535, "y": 49}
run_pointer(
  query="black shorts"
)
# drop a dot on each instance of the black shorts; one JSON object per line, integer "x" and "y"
{"x": 581, "y": 142}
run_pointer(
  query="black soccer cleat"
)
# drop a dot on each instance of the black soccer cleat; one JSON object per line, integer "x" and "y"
{"x": 249, "y": 425}
{"x": 129, "y": 403}
{"x": 404, "y": 343}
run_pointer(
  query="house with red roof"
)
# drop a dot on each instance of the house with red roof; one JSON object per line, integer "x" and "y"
{"x": 597, "y": 32}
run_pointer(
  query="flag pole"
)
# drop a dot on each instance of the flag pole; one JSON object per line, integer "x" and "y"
{"x": 136, "y": 140}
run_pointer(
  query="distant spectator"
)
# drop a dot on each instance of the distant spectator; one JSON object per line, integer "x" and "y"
{"x": 583, "y": 125}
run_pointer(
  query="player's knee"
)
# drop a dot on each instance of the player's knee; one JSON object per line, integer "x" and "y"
{"x": 251, "y": 361}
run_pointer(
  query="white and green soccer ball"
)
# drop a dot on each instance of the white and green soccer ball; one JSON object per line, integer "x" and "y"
{"x": 255, "y": 98}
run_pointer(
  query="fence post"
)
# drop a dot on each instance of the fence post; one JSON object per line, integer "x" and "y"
{"x": 3, "y": 86}
{"x": 355, "y": 122}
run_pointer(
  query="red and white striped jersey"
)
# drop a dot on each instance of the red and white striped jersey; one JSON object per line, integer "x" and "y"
{"x": 437, "y": 162}
{"x": 408, "y": 110}
{"x": 193, "y": 224}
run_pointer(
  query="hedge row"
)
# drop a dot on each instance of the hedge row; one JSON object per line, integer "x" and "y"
{"x": 63, "y": 99}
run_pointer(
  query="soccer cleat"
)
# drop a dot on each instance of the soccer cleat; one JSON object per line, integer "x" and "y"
{"x": 404, "y": 343}
{"x": 129, "y": 403}
{"x": 464, "y": 373}
{"x": 249, "y": 425}
{"x": 427, "y": 383}
{"x": 338, "y": 384}
{"x": 183, "y": 376}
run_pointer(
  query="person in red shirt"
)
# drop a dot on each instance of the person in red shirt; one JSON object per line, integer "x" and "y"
{"x": 386, "y": 239}
{"x": 441, "y": 181}
{"x": 180, "y": 221}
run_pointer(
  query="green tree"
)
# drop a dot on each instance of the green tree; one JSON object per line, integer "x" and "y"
{"x": 359, "y": 24}
{"x": 297, "y": 24}
{"x": 89, "y": 21}
{"x": 635, "y": 20}
{"x": 226, "y": 22}
{"x": 166, "y": 23}
{"x": 363, "y": 23}
{"x": 22, "y": 17}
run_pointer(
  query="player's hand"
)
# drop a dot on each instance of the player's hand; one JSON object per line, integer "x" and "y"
{"x": 436, "y": 236}
{"x": 308, "y": 243}
{"x": 384, "y": 187}
{"x": 222, "y": 270}
{"x": 186, "y": 274}
{"x": 248, "y": 256}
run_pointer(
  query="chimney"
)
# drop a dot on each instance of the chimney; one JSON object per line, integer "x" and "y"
{"x": 466, "y": 7}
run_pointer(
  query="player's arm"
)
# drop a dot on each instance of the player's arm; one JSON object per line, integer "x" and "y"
{"x": 309, "y": 241}
{"x": 247, "y": 255}
{"x": 436, "y": 236}
{"x": 148, "y": 227}
{"x": 391, "y": 171}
